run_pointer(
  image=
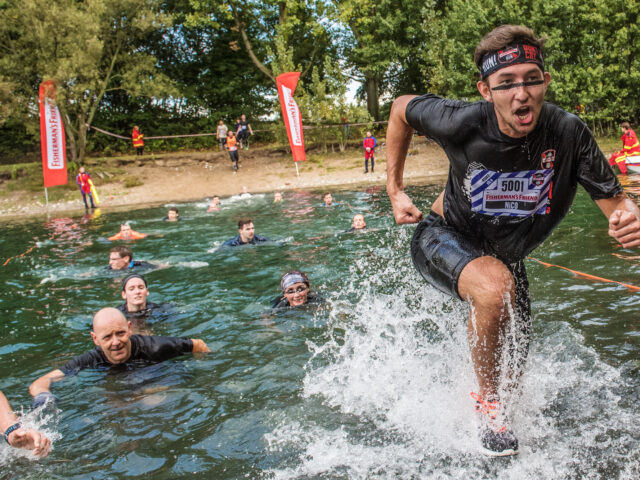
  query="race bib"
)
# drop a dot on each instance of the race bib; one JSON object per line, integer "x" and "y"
{"x": 514, "y": 194}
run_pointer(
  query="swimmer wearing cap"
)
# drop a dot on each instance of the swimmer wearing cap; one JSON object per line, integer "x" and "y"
{"x": 295, "y": 291}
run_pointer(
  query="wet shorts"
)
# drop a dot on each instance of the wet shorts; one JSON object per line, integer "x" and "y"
{"x": 440, "y": 253}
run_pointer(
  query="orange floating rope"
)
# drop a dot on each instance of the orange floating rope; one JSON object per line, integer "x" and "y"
{"x": 18, "y": 256}
{"x": 586, "y": 275}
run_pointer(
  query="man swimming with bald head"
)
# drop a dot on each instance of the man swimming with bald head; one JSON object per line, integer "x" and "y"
{"x": 115, "y": 345}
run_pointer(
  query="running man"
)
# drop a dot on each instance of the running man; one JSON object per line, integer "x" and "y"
{"x": 232, "y": 148}
{"x": 515, "y": 163}
{"x": 82, "y": 179}
{"x": 369, "y": 144}
{"x": 138, "y": 140}
{"x": 246, "y": 235}
{"x": 19, "y": 437}
{"x": 115, "y": 346}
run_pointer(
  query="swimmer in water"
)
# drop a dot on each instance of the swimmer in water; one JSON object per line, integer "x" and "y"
{"x": 245, "y": 192}
{"x": 121, "y": 258}
{"x": 295, "y": 291}
{"x": 328, "y": 200}
{"x": 126, "y": 233}
{"x": 17, "y": 436}
{"x": 277, "y": 197}
{"x": 173, "y": 215}
{"x": 135, "y": 293}
{"x": 116, "y": 345}
{"x": 358, "y": 223}
{"x": 246, "y": 235}
{"x": 214, "y": 206}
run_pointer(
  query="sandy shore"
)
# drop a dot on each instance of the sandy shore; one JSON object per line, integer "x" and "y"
{"x": 182, "y": 177}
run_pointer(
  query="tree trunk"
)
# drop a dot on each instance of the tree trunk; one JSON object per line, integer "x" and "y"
{"x": 82, "y": 139}
{"x": 371, "y": 87}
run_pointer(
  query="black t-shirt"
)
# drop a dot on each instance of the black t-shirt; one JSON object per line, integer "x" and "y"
{"x": 135, "y": 264}
{"x": 282, "y": 302}
{"x": 510, "y": 193}
{"x": 144, "y": 348}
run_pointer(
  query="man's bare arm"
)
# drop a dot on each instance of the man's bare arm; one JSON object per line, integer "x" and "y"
{"x": 399, "y": 134}
{"x": 624, "y": 219}
{"x": 199, "y": 346}
{"x": 21, "y": 437}
{"x": 43, "y": 384}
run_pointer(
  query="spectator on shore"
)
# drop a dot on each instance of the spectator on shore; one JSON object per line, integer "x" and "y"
{"x": 138, "y": 140}
{"x": 369, "y": 144}
{"x": 221, "y": 134}
{"x": 232, "y": 148}
{"x": 243, "y": 130}
{"x": 83, "y": 179}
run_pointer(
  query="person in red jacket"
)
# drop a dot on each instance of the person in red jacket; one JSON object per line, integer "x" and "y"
{"x": 82, "y": 179}
{"x": 138, "y": 142}
{"x": 369, "y": 144}
{"x": 630, "y": 147}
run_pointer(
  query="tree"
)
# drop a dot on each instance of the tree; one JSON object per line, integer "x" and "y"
{"x": 89, "y": 48}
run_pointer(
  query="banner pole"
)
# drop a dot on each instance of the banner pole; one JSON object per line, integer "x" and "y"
{"x": 46, "y": 196}
{"x": 297, "y": 171}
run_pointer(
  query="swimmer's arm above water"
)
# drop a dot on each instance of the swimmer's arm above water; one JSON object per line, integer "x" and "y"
{"x": 20, "y": 437}
{"x": 399, "y": 134}
{"x": 624, "y": 219}
{"x": 43, "y": 384}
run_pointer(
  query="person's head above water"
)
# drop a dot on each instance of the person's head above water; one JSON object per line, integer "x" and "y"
{"x": 510, "y": 60}
{"x": 125, "y": 230}
{"x": 173, "y": 214}
{"x": 120, "y": 257}
{"x": 328, "y": 198}
{"x": 135, "y": 292}
{"x": 295, "y": 287}
{"x": 112, "y": 333}
{"x": 246, "y": 230}
{"x": 277, "y": 197}
{"x": 358, "y": 222}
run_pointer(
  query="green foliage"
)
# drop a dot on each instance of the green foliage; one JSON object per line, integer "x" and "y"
{"x": 132, "y": 181}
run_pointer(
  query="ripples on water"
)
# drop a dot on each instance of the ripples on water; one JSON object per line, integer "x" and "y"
{"x": 375, "y": 386}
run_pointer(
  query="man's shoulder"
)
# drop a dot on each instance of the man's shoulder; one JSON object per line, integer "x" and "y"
{"x": 232, "y": 242}
{"x": 260, "y": 238}
{"x": 558, "y": 118}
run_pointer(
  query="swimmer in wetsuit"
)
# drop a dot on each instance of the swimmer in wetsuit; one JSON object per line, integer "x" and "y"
{"x": 121, "y": 258}
{"x": 173, "y": 215}
{"x": 115, "y": 346}
{"x": 135, "y": 293}
{"x": 127, "y": 233}
{"x": 295, "y": 291}
{"x": 246, "y": 235}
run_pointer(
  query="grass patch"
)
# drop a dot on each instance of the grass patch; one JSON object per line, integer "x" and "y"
{"x": 132, "y": 181}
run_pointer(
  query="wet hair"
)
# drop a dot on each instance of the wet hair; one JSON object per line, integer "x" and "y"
{"x": 503, "y": 36}
{"x": 123, "y": 251}
{"x": 293, "y": 277}
{"x": 244, "y": 221}
{"x": 130, "y": 277}
{"x": 174, "y": 209}
{"x": 625, "y": 125}
{"x": 328, "y": 193}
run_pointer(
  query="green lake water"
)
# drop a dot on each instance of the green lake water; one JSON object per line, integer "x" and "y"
{"x": 373, "y": 385}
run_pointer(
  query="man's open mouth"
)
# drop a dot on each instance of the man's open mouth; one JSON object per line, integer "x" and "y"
{"x": 524, "y": 115}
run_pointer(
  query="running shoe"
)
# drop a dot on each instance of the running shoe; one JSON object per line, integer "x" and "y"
{"x": 496, "y": 439}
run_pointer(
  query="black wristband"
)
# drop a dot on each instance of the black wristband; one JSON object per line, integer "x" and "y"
{"x": 11, "y": 429}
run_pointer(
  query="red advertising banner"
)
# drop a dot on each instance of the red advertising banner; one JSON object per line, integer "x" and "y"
{"x": 54, "y": 163}
{"x": 286, "y": 83}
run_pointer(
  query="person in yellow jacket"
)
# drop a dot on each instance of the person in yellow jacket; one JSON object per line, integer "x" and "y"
{"x": 137, "y": 138}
